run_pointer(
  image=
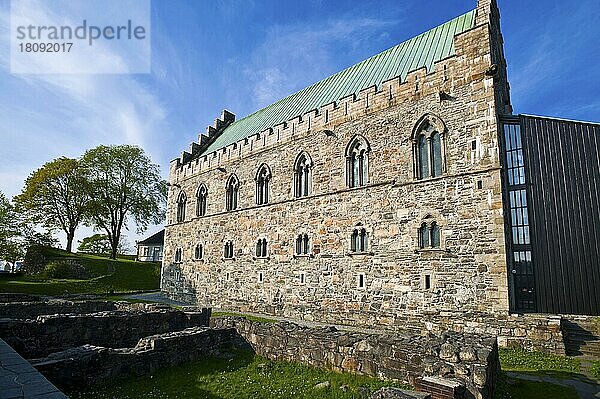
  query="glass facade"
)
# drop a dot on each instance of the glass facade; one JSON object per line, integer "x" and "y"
{"x": 519, "y": 262}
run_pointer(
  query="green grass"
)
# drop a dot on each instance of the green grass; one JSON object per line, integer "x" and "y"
{"x": 595, "y": 370}
{"x": 243, "y": 376}
{"x": 512, "y": 388}
{"x": 108, "y": 275}
{"x": 249, "y": 317}
{"x": 516, "y": 359}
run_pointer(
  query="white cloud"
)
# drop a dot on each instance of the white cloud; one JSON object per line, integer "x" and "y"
{"x": 50, "y": 115}
{"x": 293, "y": 56}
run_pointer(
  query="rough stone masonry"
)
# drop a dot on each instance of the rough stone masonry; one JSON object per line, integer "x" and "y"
{"x": 394, "y": 279}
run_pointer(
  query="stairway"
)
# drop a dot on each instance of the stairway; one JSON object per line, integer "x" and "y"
{"x": 582, "y": 336}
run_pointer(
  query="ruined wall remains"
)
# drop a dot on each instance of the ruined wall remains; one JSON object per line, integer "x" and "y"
{"x": 32, "y": 309}
{"x": 84, "y": 366}
{"x": 469, "y": 359}
{"x": 33, "y": 338}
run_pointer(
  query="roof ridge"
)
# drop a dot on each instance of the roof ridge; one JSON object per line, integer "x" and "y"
{"x": 398, "y": 60}
{"x": 356, "y": 64}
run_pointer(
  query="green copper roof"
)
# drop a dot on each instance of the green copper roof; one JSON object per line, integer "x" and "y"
{"x": 420, "y": 51}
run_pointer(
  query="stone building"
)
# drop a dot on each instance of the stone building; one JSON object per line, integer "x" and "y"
{"x": 373, "y": 197}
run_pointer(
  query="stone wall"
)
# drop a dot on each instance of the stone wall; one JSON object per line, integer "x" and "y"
{"x": 470, "y": 359}
{"x": 11, "y": 297}
{"x": 468, "y": 271}
{"x": 528, "y": 331}
{"x": 28, "y": 310}
{"x": 33, "y": 338}
{"x": 87, "y": 365}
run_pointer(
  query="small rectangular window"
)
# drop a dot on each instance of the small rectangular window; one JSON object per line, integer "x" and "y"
{"x": 474, "y": 145}
{"x": 227, "y": 275}
{"x": 479, "y": 184}
{"x": 302, "y": 278}
{"x": 427, "y": 282}
{"x": 260, "y": 277}
{"x": 361, "y": 281}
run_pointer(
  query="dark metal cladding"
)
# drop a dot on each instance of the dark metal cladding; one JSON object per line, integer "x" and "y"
{"x": 562, "y": 169}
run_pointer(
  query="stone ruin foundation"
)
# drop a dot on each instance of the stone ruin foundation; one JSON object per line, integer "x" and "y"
{"x": 84, "y": 343}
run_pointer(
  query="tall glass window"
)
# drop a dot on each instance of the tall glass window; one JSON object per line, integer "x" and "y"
{"x": 520, "y": 263}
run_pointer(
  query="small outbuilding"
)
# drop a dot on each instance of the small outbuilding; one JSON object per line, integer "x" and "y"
{"x": 151, "y": 249}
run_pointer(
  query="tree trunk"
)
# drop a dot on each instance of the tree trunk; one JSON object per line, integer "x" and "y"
{"x": 70, "y": 236}
{"x": 114, "y": 246}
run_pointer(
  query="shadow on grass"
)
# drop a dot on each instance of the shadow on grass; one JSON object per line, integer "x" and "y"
{"x": 182, "y": 381}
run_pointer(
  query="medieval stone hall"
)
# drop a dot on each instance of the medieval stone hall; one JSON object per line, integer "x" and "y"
{"x": 401, "y": 189}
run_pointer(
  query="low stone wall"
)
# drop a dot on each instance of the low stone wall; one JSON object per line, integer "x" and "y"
{"x": 34, "y": 338}
{"x": 469, "y": 359}
{"x": 28, "y": 310}
{"x": 9, "y": 297}
{"x": 529, "y": 331}
{"x": 87, "y": 365}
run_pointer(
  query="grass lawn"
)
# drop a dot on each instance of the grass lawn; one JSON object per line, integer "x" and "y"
{"x": 243, "y": 376}
{"x": 536, "y": 364}
{"x": 513, "y": 359}
{"x": 249, "y": 317}
{"x": 120, "y": 275}
{"x": 595, "y": 370}
{"x": 513, "y": 388}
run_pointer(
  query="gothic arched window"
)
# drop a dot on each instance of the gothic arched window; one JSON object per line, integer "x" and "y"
{"x": 428, "y": 147}
{"x": 302, "y": 244}
{"x": 423, "y": 157}
{"x": 231, "y": 193}
{"x": 199, "y": 252}
{"x": 178, "y": 256}
{"x": 261, "y": 248}
{"x": 429, "y": 234}
{"x": 359, "y": 241}
{"x": 357, "y": 162}
{"x": 263, "y": 177}
{"x": 201, "y": 198}
{"x": 228, "y": 250}
{"x": 181, "y": 205}
{"x": 302, "y": 175}
{"x": 424, "y": 236}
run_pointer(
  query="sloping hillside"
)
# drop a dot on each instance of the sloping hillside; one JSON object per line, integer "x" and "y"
{"x": 97, "y": 275}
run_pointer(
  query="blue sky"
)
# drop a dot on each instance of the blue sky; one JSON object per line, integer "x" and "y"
{"x": 243, "y": 55}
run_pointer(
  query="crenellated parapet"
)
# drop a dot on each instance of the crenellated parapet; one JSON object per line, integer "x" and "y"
{"x": 470, "y": 65}
{"x": 204, "y": 140}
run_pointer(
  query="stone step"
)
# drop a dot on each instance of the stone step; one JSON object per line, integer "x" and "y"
{"x": 581, "y": 337}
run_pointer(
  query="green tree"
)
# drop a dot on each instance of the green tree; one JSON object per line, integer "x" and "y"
{"x": 17, "y": 234}
{"x": 123, "y": 184}
{"x": 99, "y": 244}
{"x": 95, "y": 244}
{"x": 54, "y": 196}
{"x": 10, "y": 248}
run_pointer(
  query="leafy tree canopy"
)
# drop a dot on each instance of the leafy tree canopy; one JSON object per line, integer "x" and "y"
{"x": 123, "y": 184}
{"x": 54, "y": 196}
{"x": 95, "y": 244}
{"x": 16, "y": 233}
